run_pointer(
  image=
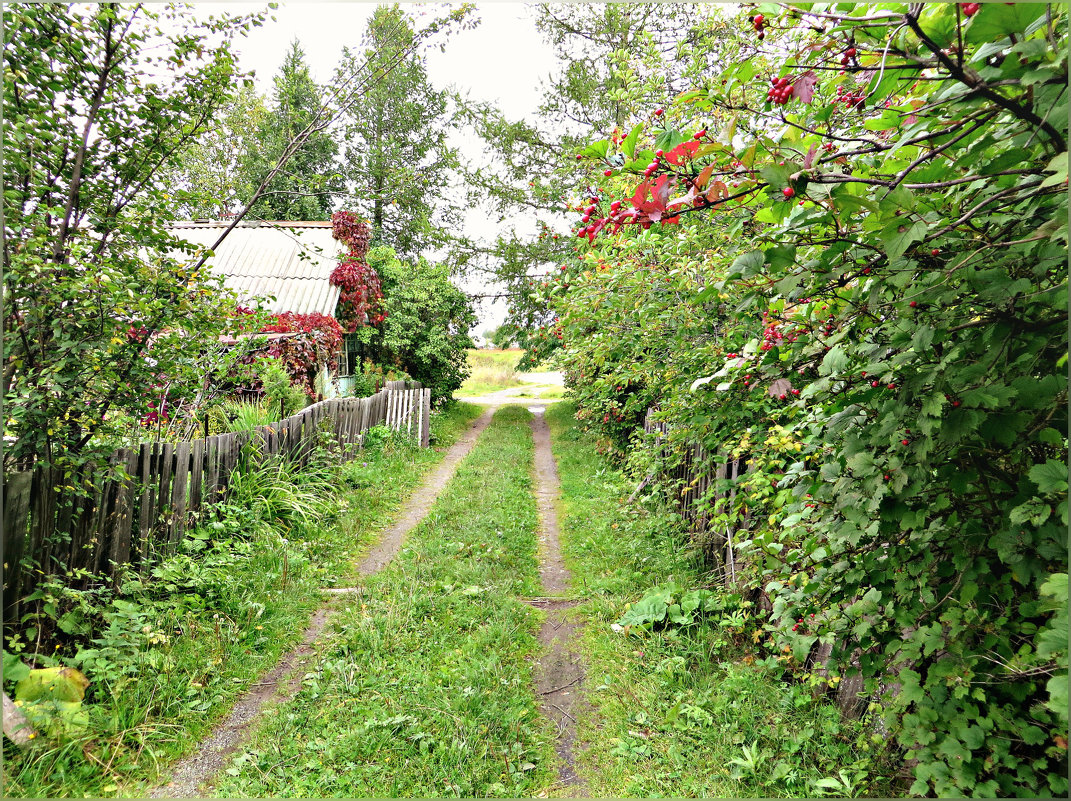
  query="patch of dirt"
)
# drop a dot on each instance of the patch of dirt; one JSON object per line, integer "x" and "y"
{"x": 195, "y": 773}
{"x": 559, "y": 672}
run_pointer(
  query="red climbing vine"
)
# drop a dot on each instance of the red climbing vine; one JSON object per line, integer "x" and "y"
{"x": 360, "y": 300}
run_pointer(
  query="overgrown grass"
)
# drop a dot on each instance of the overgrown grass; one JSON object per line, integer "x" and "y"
{"x": 424, "y": 688}
{"x": 688, "y": 710}
{"x": 169, "y": 650}
{"x": 490, "y": 371}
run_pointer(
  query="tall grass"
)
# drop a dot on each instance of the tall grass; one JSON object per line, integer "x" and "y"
{"x": 244, "y": 415}
{"x": 491, "y": 370}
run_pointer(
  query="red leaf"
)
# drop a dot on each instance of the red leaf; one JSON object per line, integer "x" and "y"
{"x": 803, "y": 88}
{"x": 704, "y": 177}
{"x": 683, "y": 152}
{"x": 660, "y": 193}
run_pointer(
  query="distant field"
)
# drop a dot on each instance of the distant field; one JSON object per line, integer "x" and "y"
{"x": 492, "y": 370}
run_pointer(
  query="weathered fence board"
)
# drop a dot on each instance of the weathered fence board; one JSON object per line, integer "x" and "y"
{"x": 146, "y": 497}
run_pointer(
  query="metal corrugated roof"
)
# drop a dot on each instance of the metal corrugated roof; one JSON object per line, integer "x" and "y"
{"x": 290, "y": 261}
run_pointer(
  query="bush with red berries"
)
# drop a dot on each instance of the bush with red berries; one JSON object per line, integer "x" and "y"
{"x": 890, "y": 356}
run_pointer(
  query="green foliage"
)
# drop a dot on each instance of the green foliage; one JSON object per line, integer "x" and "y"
{"x": 874, "y": 319}
{"x": 304, "y": 191}
{"x": 105, "y": 310}
{"x": 214, "y": 171}
{"x": 167, "y": 649}
{"x": 687, "y": 709}
{"x": 396, "y": 158}
{"x": 426, "y": 330}
{"x": 242, "y": 415}
{"x": 281, "y": 396}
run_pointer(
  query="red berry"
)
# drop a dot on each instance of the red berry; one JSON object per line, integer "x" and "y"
{"x": 934, "y": 252}
{"x": 905, "y": 442}
{"x": 955, "y": 403}
{"x": 659, "y": 112}
{"x": 795, "y": 392}
{"x": 873, "y": 383}
{"x": 699, "y": 134}
{"x": 759, "y": 18}
{"x": 913, "y": 304}
{"x": 970, "y": 9}
{"x": 886, "y": 476}
{"x": 608, "y": 173}
{"x": 579, "y": 157}
{"x": 761, "y": 36}
{"x": 849, "y": 52}
{"x": 788, "y": 192}
{"x": 892, "y": 386}
{"x": 781, "y": 396}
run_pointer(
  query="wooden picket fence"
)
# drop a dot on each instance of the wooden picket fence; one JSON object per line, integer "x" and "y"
{"x": 50, "y": 528}
{"x": 688, "y": 481}
{"x": 689, "y": 475}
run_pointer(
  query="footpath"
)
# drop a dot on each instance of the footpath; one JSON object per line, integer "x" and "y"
{"x": 448, "y": 670}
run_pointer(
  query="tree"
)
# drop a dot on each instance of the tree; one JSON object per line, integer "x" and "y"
{"x": 396, "y": 159}
{"x": 306, "y": 189}
{"x": 426, "y": 330}
{"x": 213, "y": 173}
{"x": 93, "y": 280}
{"x": 102, "y": 302}
{"x": 621, "y": 62}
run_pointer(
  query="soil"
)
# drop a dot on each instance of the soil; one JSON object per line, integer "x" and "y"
{"x": 194, "y": 774}
{"x": 559, "y": 672}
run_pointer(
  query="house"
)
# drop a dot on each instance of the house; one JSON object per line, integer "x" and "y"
{"x": 288, "y": 262}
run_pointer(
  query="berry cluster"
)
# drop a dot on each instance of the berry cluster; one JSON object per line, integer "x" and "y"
{"x": 850, "y": 99}
{"x": 970, "y": 9}
{"x": 759, "y": 23}
{"x": 847, "y": 57}
{"x": 781, "y": 91}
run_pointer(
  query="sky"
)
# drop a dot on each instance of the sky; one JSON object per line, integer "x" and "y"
{"x": 502, "y": 60}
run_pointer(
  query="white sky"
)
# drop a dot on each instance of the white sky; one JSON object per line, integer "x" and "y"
{"x": 502, "y": 60}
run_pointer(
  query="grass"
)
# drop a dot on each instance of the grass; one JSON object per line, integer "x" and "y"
{"x": 490, "y": 371}
{"x": 170, "y": 650}
{"x": 424, "y": 687}
{"x": 683, "y": 710}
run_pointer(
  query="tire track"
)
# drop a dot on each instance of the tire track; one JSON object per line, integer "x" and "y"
{"x": 195, "y": 773}
{"x": 559, "y": 672}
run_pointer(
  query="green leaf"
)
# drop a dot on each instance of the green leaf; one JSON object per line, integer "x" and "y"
{"x": 54, "y": 684}
{"x": 1059, "y": 166}
{"x": 597, "y": 150}
{"x": 669, "y": 139}
{"x": 748, "y": 264}
{"x": 835, "y": 361}
{"x": 780, "y": 256}
{"x": 1057, "y": 689}
{"x": 997, "y": 20}
{"x": 628, "y": 147}
{"x": 14, "y": 668}
{"x": 1050, "y": 477}
{"x": 899, "y": 235}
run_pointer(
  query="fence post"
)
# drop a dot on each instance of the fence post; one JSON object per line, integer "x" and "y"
{"x": 425, "y": 419}
{"x": 16, "y": 524}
